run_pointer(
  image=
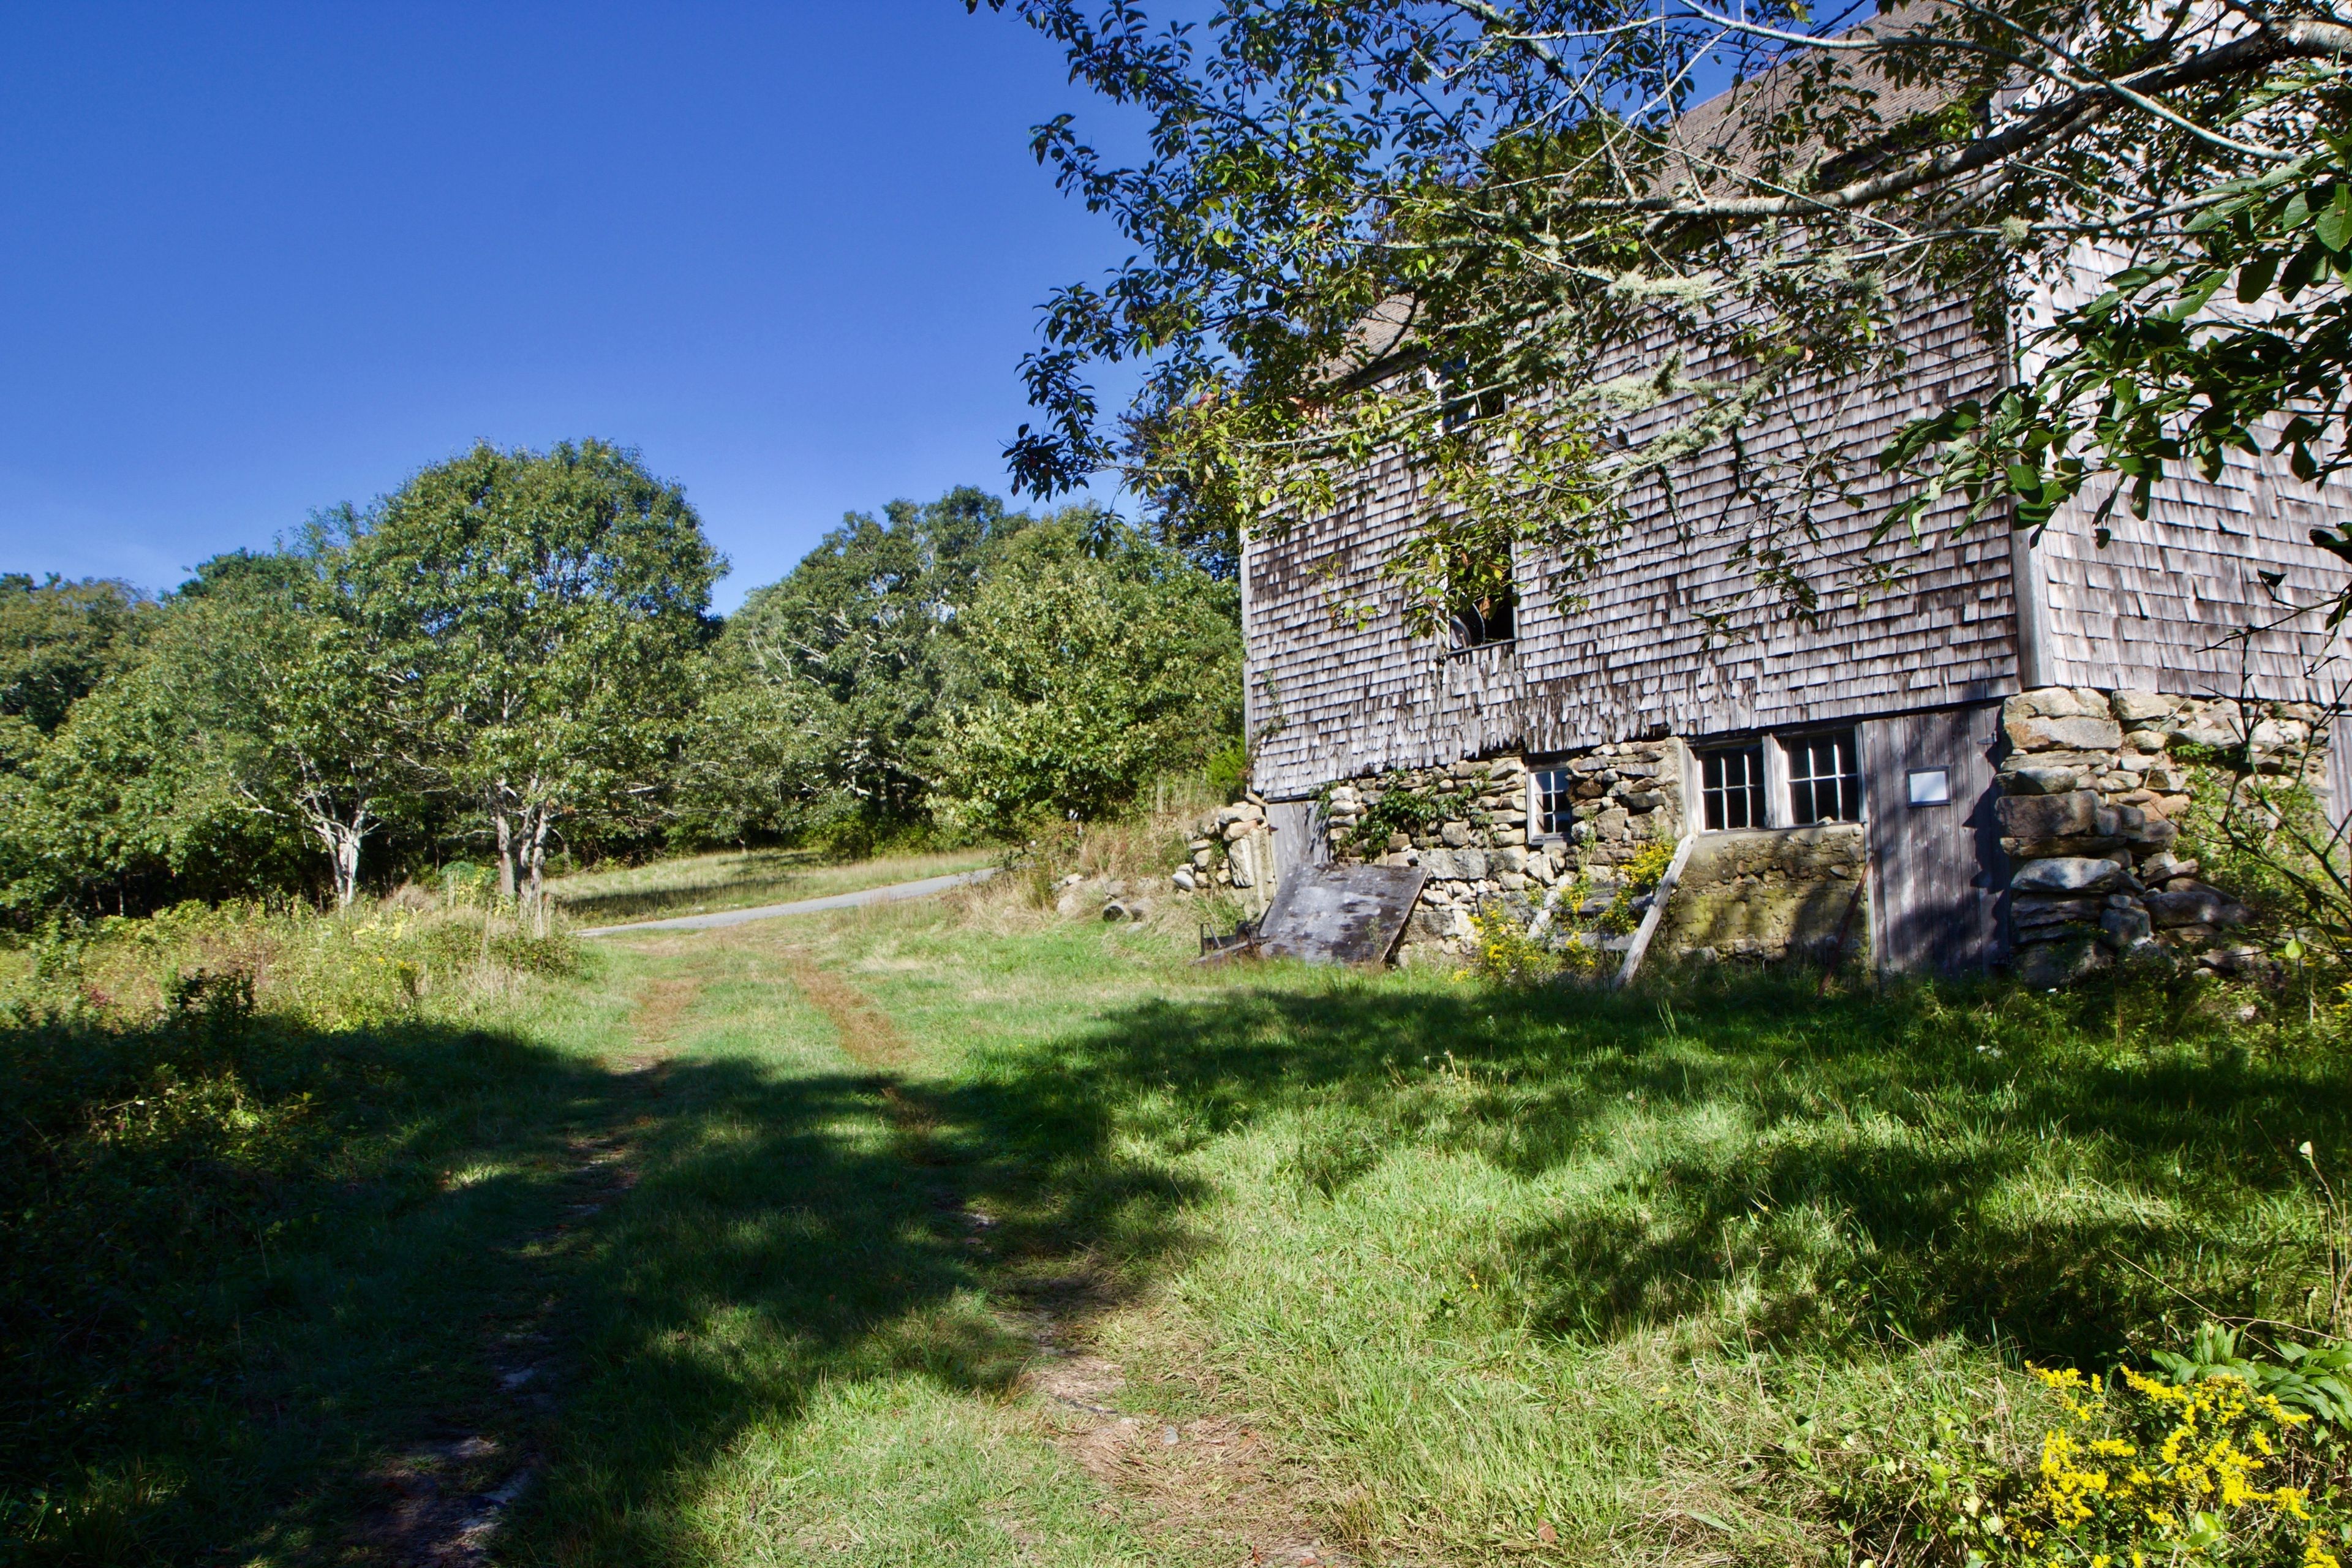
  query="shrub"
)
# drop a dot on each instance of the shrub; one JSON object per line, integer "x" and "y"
{"x": 2201, "y": 1466}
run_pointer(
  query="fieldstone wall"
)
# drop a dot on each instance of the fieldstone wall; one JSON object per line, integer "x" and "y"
{"x": 2090, "y": 792}
{"x": 1232, "y": 849}
{"x": 1476, "y": 851}
{"x": 1771, "y": 894}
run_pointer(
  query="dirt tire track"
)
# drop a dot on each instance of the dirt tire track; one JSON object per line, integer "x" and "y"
{"x": 449, "y": 1496}
{"x": 1217, "y": 1487}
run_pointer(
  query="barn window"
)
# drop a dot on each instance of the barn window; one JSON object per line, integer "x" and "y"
{"x": 1554, "y": 811}
{"x": 1478, "y": 617}
{"x": 1825, "y": 781}
{"x": 1482, "y": 590}
{"x": 1731, "y": 787}
{"x": 1458, "y": 407}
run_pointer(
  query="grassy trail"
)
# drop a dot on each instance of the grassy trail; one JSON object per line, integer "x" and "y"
{"x": 954, "y": 1234}
{"x": 1031, "y": 1244}
{"x": 792, "y": 1340}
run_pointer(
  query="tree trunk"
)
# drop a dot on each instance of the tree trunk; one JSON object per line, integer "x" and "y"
{"x": 537, "y": 852}
{"x": 342, "y": 841}
{"x": 346, "y": 848}
{"x": 510, "y": 845}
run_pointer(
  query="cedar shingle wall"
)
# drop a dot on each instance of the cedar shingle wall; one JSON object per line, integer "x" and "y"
{"x": 2158, "y": 607}
{"x": 1637, "y": 654}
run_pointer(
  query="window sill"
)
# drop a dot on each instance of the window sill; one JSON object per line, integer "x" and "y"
{"x": 1785, "y": 827}
{"x": 1504, "y": 643}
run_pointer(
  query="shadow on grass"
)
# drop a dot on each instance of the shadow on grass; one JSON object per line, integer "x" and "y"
{"x": 798, "y": 1233}
{"x": 1855, "y": 1169}
{"x": 226, "y": 1326}
{"x": 242, "y": 1261}
{"x": 287, "y": 1313}
{"x": 2080, "y": 1175}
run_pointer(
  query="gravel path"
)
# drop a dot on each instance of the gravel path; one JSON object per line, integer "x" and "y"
{"x": 884, "y": 895}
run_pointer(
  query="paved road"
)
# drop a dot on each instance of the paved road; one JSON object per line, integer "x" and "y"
{"x": 888, "y": 895}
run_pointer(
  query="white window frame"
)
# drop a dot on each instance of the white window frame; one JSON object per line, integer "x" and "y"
{"x": 1780, "y": 811}
{"x": 1537, "y": 832}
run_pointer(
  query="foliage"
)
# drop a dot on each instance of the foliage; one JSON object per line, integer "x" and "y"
{"x": 1090, "y": 664}
{"x": 140, "y": 795}
{"x": 824, "y": 693}
{"x": 1504, "y": 952}
{"x": 2313, "y": 1382}
{"x": 2153, "y": 375}
{"x": 202, "y": 1102}
{"x": 2262, "y": 831}
{"x": 57, "y": 641}
{"x": 545, "y": 607}
{"x": 1443, "y": 228}
{"x": 2205, "y": 1467}
{"x": 1228, "y": 769}
{"x": 1400, "y": 809}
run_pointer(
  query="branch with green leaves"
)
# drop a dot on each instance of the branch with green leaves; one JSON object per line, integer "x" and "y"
{"x": 1354, "y": 221}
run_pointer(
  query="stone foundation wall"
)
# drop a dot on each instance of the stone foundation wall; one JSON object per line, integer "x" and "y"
{"x": 1771, "y": 894}
{"x": 1232, "y": 850}
{"x": 1476, "y": 848}
{"x": 2092, "y": 790}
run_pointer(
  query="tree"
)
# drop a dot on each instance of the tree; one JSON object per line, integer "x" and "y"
{"x": 321, "y": 740}
{"x": 302, "y": 696}
{"x": 1092, "y": 661}
{"x": 1360, "y": 222}
{"x": 539, "y": 612}
{"x": 824, "y": 690}
{"x": 143, "y": 795}
{"x": 57, "y": 641}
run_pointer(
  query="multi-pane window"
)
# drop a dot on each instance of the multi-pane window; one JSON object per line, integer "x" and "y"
{"x": 1731, "y": 787}
{"x": 1554, "y": 811}
{"x": 1824, "y": 782}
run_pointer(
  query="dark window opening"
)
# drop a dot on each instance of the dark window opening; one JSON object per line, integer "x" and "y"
{"x": 1457, "y": 408}
{"x": 1824, "y": 782}
{"x": 1492, "y": 619}
{"x": 1554, "y": 808}
{"x": 1731, "y": 787}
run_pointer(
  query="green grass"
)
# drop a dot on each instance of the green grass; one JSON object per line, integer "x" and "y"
{"x": 739, "y": 880}
{"x": 1481, "y": 1276}
{"x": 1480, "y": 1264}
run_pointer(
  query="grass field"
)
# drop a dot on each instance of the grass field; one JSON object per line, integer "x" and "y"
{"x": 952, "y": 1234}
{"x": 740, "y": 880}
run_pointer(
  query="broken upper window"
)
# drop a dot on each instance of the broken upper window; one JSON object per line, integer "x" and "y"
{"x": 1490, "y": 618}
{"x": 1459, "y": 405}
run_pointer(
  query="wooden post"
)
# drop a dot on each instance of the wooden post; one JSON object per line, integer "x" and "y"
{"x": 1649, "y": 926}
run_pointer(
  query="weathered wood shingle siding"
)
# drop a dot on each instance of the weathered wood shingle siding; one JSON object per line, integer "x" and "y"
{"x": 1637, "y": 657}
{"x": 2157, "y": 608}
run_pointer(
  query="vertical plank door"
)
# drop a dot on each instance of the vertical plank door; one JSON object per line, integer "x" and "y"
{"x": 1938, "y": 877}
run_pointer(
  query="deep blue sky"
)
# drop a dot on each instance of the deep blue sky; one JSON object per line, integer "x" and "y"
{"x": 254, "y": 259}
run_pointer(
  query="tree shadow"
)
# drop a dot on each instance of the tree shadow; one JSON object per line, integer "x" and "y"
{"x": 1914, "y": 1163}
{"x": 241, "y": 1260}
{"x": 827, "y": 1229}
{"x": 1852, "y": 1169}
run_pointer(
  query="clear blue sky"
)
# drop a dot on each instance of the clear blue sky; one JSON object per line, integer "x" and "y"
{"x": 256, "y": 259}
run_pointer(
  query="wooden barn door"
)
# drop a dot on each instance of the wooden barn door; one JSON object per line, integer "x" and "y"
{"x": 1937, "y": 873}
